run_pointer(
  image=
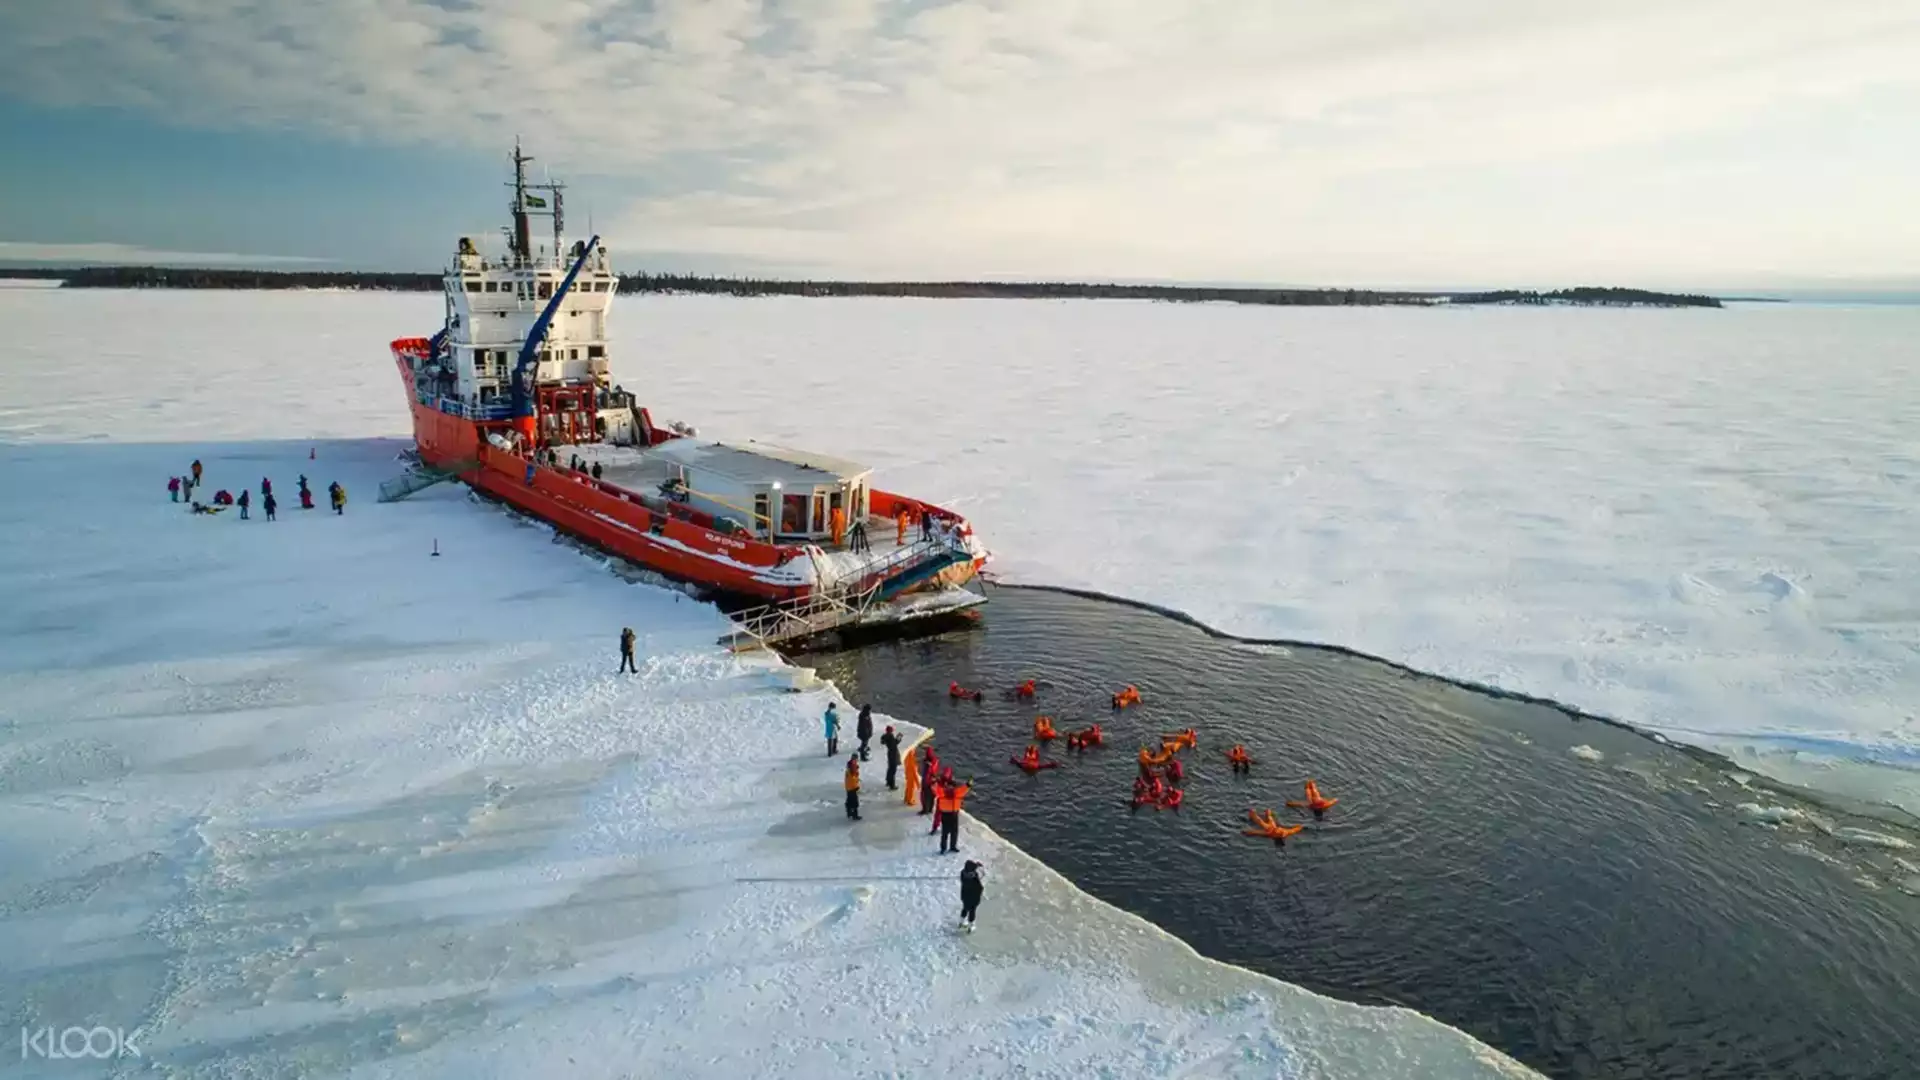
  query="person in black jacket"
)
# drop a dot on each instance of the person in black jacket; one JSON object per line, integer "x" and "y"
{"x": 626, "y": 651}
{"x": 971, "y": 890}
{"x": 891, "y": 740}
{"x": 863, "y": 729}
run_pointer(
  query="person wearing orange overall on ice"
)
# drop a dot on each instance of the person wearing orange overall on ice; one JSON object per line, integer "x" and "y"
{"x": 853, "y": 787}
{"x": 1314, "y": 801}
{"x": 929, "y": 776}
{"x": 952, "y": 798}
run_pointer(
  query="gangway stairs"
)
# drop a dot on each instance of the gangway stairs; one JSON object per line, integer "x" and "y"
{"x": 421, "y": 477}
{"x": 796, "y": 620}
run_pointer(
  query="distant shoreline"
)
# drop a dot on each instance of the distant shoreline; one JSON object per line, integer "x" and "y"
{"x": 160, "y": 277}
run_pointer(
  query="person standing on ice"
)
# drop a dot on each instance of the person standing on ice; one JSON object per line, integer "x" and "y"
{"x": 196, "y": 472}
{"x": 173, "y": 488}
{"x": 626, "y": 651}
{"x": 892, "y": 742}
{"x": 929, "y": 773}
{"x": 266, "y": 487}
{"x": 971, "y": 890}
{"x": 952, "y": 797}
{"x": 863, "y": 729}
{"x": 244, "y": 501}
{"x": 853, "y": 787}
{"x": 338, "y": 496}
{"x": 831, "y": 722}
{"x": 268, "y": 504}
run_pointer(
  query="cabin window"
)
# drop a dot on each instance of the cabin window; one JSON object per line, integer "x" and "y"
{"x": 546, "y": 289}
{"x": 761, "y": 518}
{"x": 573, "y": 354}
{"x": 793, "y": 514}
{"x": 595, "y": 352}
{"x": 493, "y": 286}
{"x": 819, "y": 512}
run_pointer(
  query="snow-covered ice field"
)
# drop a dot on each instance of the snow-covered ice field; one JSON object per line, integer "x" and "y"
{"x": 1704, "y": 523}
{"x": 297, "y": 798}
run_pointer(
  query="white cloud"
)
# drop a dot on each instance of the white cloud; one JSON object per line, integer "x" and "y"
{"x": 134, "y": 255}
{"x": 1207, "y": 138}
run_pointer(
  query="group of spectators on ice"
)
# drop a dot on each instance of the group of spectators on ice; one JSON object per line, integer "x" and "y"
{"x": 939, "y": 794}
{"x": 180, "y": 489}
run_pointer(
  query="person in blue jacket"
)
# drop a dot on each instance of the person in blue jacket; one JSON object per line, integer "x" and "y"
{"x": 831, "y": 721}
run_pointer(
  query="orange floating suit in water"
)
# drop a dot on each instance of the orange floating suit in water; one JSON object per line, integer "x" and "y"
{"x": 1239, "y": 758}
{"x": 1267, "y": 828}
{"x": 1149, "y": 758}
{"x": 956, "y": 691}
{"x": 1314, "y": 801}
{"x": 1025, "y": 689}
{"x": 1043, "y": 729}
{"x": 1126, "y": 697}
{"x": 1181, "y": 740}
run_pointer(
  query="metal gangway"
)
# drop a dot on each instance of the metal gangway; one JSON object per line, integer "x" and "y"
{"x": 795, "y": 620}
{"x": 852, "y": 601}
{"x": 419, "y": 478}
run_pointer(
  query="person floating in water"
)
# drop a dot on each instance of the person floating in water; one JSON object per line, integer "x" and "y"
{"x": 957, "y": 692}
{"x": 1314, "y": 801}
{"x": 1024, "y": 690}
{"x": 1043, "y": 729}
{"x": 1239, "y": 759}
{"x": 1126, "y": 697}
{"x": 1265, "y": 827}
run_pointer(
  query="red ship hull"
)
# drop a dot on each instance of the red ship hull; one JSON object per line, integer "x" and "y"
{"x": 673, "y": 542}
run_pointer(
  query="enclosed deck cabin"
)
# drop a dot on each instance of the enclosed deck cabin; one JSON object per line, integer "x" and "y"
{"x": 776, "y": 494}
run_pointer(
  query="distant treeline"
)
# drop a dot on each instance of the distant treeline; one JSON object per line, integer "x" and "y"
{"x": 160, "y": 277}
{"x": 1602, "y": 296}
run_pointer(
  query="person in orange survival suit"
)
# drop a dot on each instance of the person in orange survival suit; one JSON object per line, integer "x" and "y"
{"x": 953, "y": 797}
{"x": 853, "y": 787}
{"x": 1314, "y": 801}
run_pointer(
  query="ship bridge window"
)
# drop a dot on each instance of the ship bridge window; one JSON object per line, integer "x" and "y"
{"x": 595, "y": 352}
{"x": 546, "y": 289}
{"x": 493, "y": 286}
{"x": 573, "y": 354}
{"x": 473, "y": 285}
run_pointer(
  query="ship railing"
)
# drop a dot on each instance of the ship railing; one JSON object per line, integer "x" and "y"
{"x": 454, "y": 406}
{"x": 788, "y": 620}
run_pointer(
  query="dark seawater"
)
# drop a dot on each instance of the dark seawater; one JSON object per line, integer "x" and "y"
{"x": 1611, "y": 918}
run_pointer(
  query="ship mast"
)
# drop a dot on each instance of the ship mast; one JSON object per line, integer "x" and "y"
{"x": 526, "y": 204}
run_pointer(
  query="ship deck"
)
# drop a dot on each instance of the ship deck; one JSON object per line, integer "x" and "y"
{"x": 641, "y": 473}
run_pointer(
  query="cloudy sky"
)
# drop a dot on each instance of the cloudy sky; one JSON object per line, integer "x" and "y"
{"x": 1670, "y": 142}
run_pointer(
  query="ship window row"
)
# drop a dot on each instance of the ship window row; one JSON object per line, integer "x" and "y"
{"x": 524, "y": 291}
